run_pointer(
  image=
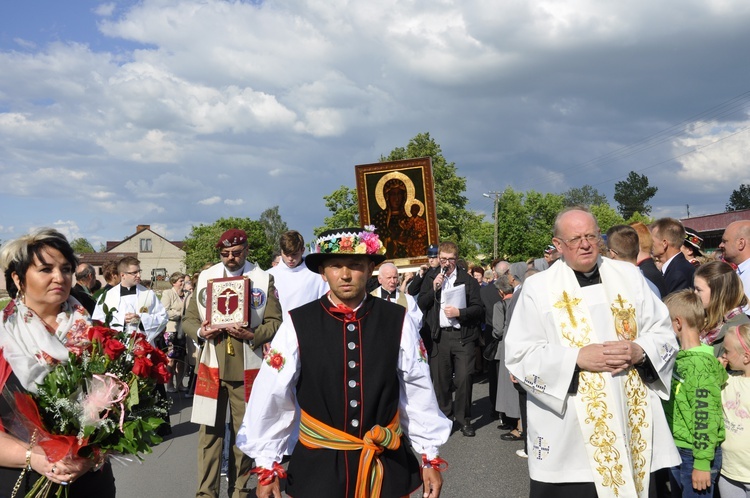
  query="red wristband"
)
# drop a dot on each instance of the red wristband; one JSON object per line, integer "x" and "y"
{"x": 266, "y": 476}
{"x": 436, "y": 463}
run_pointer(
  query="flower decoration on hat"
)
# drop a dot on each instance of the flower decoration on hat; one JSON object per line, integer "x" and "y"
{"x": 347, "y": 242}
{"x": 693, "y": 240}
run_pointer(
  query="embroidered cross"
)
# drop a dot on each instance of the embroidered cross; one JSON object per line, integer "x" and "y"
{"x": 568, "y": 303}
{"x": 540, "y": 448}
{"x": 620, "y": 301}
{"x": 536, "y": 383}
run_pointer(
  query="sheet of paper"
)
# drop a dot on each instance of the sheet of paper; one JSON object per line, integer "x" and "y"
{"x": 455, "y": 296}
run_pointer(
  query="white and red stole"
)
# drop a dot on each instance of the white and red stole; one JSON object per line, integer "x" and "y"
{"x": 207, "y": 385}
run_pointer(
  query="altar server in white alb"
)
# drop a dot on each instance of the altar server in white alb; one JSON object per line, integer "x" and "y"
{"x": 294, "y": 284}
{"x": 137, "y": 307}
{"x": 594, "y": 348}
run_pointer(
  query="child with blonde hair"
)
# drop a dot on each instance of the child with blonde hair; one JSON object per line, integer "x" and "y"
{"x": 735, "y": 472}
{"x": 694, "y": 407}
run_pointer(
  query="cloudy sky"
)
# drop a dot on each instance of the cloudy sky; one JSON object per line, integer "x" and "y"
{"x": 175, "y": 112}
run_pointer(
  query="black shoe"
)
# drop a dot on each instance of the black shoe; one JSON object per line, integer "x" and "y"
{"x": 468, "y": 431}
{"x": 506, "y": 426}
{"x": 513, "y": 437}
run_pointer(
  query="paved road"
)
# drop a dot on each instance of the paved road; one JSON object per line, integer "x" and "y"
{"x": 481, "y": 467}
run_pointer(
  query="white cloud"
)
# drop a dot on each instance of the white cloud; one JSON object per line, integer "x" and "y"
{"x": 69, "y": 228}
{"x": 210, "y": 200}
{"x": 229, "y": 104}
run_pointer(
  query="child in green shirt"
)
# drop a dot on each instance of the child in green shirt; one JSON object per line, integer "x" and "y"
{"x": 694, "y": 410}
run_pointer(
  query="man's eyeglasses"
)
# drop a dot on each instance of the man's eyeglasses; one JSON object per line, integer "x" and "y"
{"x": 236, "y": 253}
{"x": 576, "y": 242}
{"x": 446, "y": 260}
{"x": 134, "y": 273}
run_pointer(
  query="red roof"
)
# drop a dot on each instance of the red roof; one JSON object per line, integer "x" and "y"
{"x": 99, "y": 258}
{"x": 715, "y": 222}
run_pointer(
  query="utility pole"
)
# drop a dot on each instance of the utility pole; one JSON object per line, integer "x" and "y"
{"x": 496, "y": 195}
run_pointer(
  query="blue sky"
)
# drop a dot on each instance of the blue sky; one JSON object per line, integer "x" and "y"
{"x": 174, "y": 113}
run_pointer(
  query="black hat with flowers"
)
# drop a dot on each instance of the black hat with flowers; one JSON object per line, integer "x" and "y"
{"x": 345, "y": 242}
{"x": 694, "y": 242}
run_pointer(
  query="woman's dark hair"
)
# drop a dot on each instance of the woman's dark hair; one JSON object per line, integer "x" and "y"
{"x": 17, "y": 255}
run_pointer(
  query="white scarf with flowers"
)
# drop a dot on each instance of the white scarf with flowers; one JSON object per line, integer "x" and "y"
{"x": 31, "y": 349}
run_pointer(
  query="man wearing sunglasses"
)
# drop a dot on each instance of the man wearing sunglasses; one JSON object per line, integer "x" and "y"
{"x": 230, "y": 359}
{"x": 137, "y": 308}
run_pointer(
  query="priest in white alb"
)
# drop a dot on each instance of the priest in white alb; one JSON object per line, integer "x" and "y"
{"x": 594, "y": 348}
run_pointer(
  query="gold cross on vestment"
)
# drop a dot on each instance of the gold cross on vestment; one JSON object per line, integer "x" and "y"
{"x": 569, "y": 303}
{"x": 620, "y": 301}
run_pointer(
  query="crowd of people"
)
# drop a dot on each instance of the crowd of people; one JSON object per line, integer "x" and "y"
{"x": 621, "y": 360}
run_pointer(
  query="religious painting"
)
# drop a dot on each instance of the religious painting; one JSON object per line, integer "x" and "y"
{"x": 227, "y": 302}
{"x": 398, "y": 199}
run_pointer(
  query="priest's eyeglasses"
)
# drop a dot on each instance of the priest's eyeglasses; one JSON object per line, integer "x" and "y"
{"x": 576, "y": 242}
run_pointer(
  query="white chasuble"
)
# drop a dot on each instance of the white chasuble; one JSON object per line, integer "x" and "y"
{"x": 612, "y": 431}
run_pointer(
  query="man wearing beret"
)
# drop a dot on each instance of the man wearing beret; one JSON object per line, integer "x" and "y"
{"x": 354, "y": 367}
{"x": 229, "y": 363}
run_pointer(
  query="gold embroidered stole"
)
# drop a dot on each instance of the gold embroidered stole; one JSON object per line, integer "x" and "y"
{"x": 618, "y": 439}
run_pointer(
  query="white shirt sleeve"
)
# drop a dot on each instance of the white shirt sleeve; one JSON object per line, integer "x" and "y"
{"x": 421, "y": 418}
{"x": 534, "y": 353}
{"x": 155, "y": 319}
{"x": 270, "y": 425}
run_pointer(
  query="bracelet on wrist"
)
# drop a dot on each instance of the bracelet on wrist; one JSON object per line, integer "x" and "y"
{"x": 266, "y": 476}
{"x": 436, "y": 463}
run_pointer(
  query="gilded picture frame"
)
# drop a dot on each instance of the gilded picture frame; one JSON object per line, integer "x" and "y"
{"x": 398, "y": 198}
{"x": 227, "y": 302}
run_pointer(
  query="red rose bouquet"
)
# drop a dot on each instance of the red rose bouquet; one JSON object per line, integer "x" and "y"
{"x": 98, "y": 404}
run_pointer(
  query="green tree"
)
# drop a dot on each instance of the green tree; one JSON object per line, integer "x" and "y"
{"x": 525, "y": 221}
{"x": 583, "y": 196}
{"x": 740, "y": 198}
{"x": 635, "y": 217}
{"x": 344, "y": 208}
{"x": 200, "y": 244}
{"x": 606, "y": 216}
{"x": 81, "y": 246}
{"x": 273, "y": 226}
{"x": 633, "y": 194}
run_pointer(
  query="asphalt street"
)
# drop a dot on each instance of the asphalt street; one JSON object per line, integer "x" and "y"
{"x": 483, "y": 466}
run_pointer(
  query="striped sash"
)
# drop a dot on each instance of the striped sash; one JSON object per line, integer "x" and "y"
{"x": 314, "y": 434}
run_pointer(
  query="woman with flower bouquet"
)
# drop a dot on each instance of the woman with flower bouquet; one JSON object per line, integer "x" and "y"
{"x": 69, "y": 389}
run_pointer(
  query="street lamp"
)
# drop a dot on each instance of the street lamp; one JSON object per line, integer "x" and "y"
{"x": 489, "y": 195}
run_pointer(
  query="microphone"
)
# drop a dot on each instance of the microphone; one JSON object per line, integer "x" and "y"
{"x": 444, "y": 269}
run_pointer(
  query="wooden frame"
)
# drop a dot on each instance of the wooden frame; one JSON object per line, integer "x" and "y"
{"x": 227, "y": 302}
{"x": 414, "y": 226}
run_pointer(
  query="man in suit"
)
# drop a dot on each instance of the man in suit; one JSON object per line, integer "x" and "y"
{"x": 735, "y": 243}
{"x": 85, "y": 278}
{"x": 455, "y": 332}
{"x": 644, "y": 261}
{"x": 668, "y": 234}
